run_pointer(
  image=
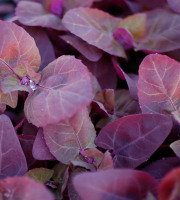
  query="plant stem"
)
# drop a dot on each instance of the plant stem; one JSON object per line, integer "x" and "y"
{"x": 19, "y": 125}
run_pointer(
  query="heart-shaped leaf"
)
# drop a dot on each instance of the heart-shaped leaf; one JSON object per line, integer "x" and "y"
{"x": 12, "y": 159}
{"x": 95, "y": 27}
{"x": 159, "y": 84}
{"x": 67, "y": 138}
{"x": 134, "y": 138}
{"x": 65, "y": 89}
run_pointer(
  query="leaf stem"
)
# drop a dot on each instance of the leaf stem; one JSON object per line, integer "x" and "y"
{"x": 19, "y": 124}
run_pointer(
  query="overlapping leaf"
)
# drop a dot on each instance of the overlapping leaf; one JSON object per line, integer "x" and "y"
{"x": 159, "y": 84}
{"x": 116, "y": 184}
{"x": 44, "y": 45}
{"x": 95, "y": 27}
{"x": 162, "y": 31}
{"x": 40, "y": 150}
{"x": 34, "y": 14}
{"x": 65, "y": 88}
{"x": 69, "y": 4}
{"x": 90, "y": 52}
{"x": 12, "y": 159}
{"x": 40, "y": 174}
{"x": 66, "y": 139}
{"x": 19, "y": 57}
{"x": 23, "y": 188}
{"x": 169, "y": 187}
{"x": 134, "y": 138}
{"x": 174, "y": 5}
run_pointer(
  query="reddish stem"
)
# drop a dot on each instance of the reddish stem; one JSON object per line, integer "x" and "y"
{"x": 19, "y": 125}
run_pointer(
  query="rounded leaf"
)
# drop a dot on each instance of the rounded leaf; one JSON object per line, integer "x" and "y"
{"x": 65, "y": 88}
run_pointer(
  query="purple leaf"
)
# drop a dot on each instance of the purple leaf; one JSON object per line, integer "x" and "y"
{"x": 36, "y": 15}
{"x": 124, "y": 37}
{"x": 65, "y": 88}
{"x": 114, "y": 184}
{"x": 103, "y": 71}
{"x": 23, "y": 188}
{"x": 152, "y": 4}
{"x": 44, "y": 45}
{"x": 95, "y": 27}
{"x": 66, "y": 139}
{"x": 174, "y": 5}
{"x": 40, "y": 150}
{"x": 26, "y": 142}
{"x": 12, "y": 159}
{"x": 124, "y": 105}
{"x": 131, "y": 79}
{"x": 159, "y": 168}
{"x": 156, "y": 94}
{"x": 73, "y": 195}
{"x": 54, "y": 6}
{"x": 162, "y": 32}
{"x": 134, "y": 138}
{"x": 88, "y": 51}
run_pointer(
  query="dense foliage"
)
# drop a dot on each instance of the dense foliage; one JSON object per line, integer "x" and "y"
{"x": 90, "y": 100}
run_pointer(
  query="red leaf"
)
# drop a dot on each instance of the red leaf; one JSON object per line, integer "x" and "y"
{"x": 33, "y": 14}
{"x": 65, "y": 89}
{"x": 159, "y": 85}
{"x": 115, "y": 184}
{"x": 23, "y": 188}
{"x": 162, "y": 31}
{"x": 67, "y": 138}
{"x": 95, "y": 27}
{"x": 19, "y": 57}
{"x": 12, "y": 159}
{"x": 134, "y": 138}
{"x": 19, "y": 52}
{"x": 169, "y": 187}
